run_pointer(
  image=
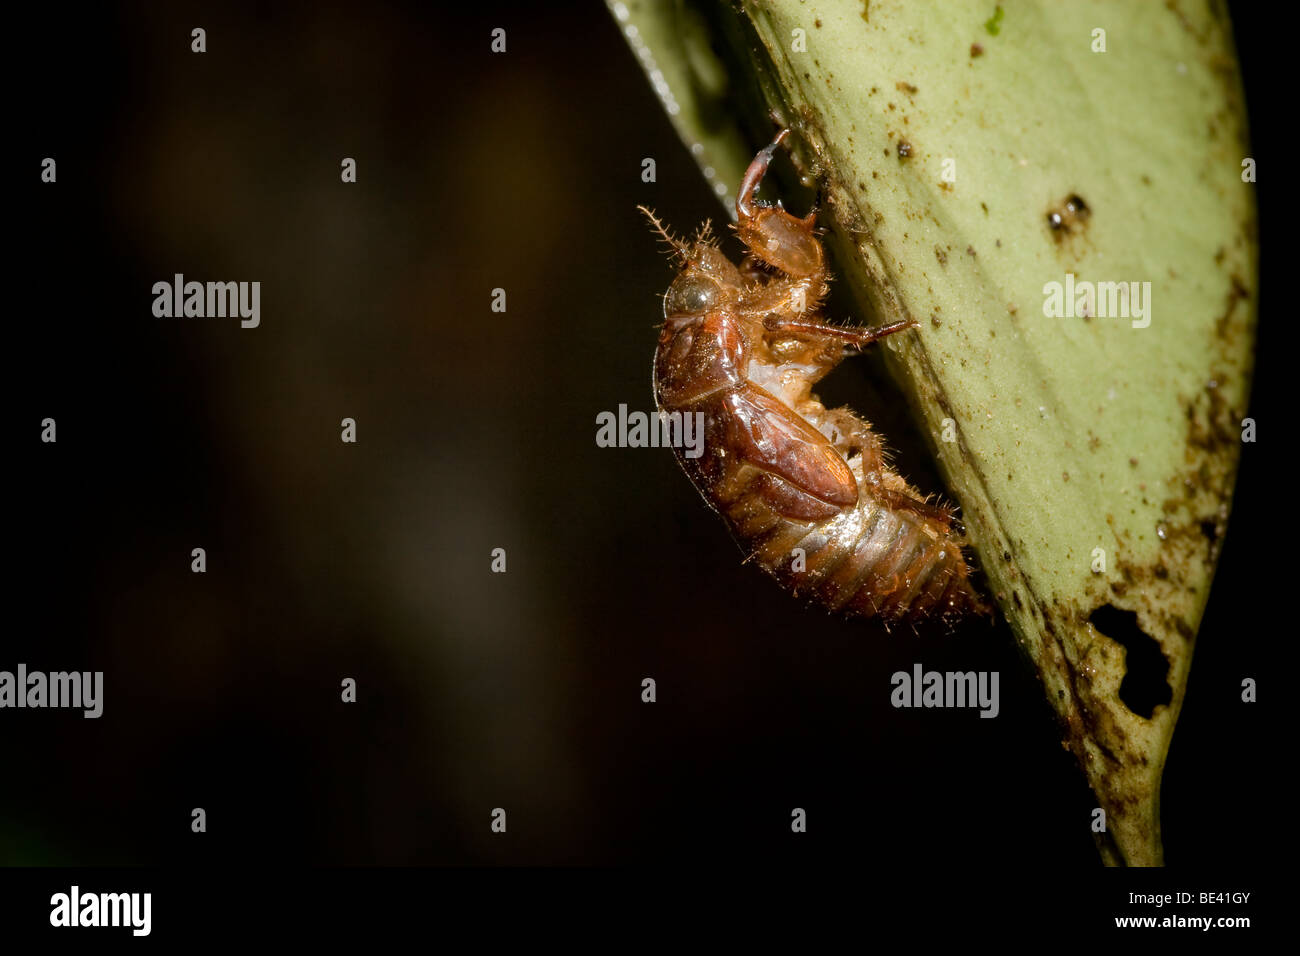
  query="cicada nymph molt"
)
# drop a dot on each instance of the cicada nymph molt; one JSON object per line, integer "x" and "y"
{"x": 806, "y": 490}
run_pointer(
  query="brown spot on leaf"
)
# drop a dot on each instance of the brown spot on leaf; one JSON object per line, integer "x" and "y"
{"x": 1068, "y": 217}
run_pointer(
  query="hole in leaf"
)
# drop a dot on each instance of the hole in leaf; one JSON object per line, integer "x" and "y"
{"x": 1146, "y": 675}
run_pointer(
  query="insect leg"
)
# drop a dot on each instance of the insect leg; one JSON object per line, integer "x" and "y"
{"x": 754, "y": 175}
{"x": 854, "y": 435}
{"x": 857, "y": 337}
{"x": 902, "y": 501}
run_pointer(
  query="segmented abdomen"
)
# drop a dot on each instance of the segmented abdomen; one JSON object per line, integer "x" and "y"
{"x": 869, "y": 560}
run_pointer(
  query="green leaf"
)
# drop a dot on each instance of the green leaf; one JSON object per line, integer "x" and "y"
{"x": 967, "y": 161}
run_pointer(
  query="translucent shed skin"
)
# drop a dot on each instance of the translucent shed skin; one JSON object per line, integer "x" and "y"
{"x": 806, "y": 490}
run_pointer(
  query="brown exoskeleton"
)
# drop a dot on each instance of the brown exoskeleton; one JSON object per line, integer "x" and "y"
{"x": 805, "y": 488}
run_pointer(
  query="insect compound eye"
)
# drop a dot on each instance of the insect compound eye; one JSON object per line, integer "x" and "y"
{"x": 691, "y": 295}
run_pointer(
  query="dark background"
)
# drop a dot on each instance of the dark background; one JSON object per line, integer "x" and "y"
{"x": 476, "y": 431}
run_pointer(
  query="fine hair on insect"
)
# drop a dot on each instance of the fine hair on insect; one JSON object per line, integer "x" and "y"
{"x": 807, "y": 491}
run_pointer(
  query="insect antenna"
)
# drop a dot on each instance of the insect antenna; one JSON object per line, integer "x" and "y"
{"x": 680, "y": 249}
